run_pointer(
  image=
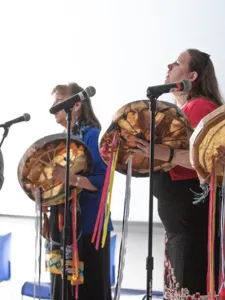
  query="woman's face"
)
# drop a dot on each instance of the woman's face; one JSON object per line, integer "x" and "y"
{"x": 179, "y": 69}
{"x": 60, "y": 116}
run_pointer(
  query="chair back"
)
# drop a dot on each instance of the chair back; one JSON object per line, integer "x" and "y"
{"x": 112, "y": 260}
{"x": 5, "y": 257}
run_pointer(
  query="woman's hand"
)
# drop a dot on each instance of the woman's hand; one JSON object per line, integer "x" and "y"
{"x": 143, "y": 147}
{"x": 161, "y": 152}
{"x": 59, "y": 173}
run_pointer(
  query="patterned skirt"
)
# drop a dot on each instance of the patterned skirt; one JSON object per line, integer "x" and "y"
{"x": 186, "y": 244}
{"x": 185, "y": 273}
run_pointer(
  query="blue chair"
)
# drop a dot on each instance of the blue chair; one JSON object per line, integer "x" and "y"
{"x": 44, "y": 290}
{"x": 5, "y": 257}
{"x": 112, "y": 260}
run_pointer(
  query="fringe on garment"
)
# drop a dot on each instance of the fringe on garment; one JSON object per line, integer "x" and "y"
{"x": 201, "y": 197}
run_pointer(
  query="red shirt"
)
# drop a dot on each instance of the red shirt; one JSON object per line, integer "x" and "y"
{"x": 195, "y": 110}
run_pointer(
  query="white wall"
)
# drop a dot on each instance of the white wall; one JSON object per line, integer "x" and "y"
{"x": 23, "y": 254}
{"x": 120, "y": 47}
{"x": 137, "y": 252}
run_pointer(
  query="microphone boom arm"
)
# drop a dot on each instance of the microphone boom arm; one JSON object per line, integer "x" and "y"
{"x": 6, "y": 131}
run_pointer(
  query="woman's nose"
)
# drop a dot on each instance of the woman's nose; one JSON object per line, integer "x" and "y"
{"x": 169, "y": 67}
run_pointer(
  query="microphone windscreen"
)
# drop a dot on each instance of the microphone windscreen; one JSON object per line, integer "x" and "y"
{"x": 26, "y": 117}
{"x": 91, "y": 91}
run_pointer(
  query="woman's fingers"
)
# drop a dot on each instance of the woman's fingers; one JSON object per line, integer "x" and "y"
{"x": 142, "y": 147}
{"x": 142, "y": 142}
{"x": 137, "y": 151}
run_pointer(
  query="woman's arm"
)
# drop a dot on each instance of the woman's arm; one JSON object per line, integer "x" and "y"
{"x": 180, "y": 157}
{"x": 82, "y": 182}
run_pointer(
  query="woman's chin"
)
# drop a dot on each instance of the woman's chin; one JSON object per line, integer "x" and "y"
{"x": 60, "y": 122}
{"x": 167, "y": 80}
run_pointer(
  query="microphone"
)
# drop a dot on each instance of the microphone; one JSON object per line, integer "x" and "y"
{"x": 25, "y": 117}
{"x": 184, "y": 85}
{"x": 69, "y": 102}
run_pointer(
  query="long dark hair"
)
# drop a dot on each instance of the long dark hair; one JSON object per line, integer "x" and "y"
{"x": 87, "y": 116}
{"x": 206, "y": 84}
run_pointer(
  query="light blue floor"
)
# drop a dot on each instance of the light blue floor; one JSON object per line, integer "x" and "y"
{"x": 136, "y": 294}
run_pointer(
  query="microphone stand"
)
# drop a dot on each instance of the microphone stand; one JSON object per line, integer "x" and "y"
{"x": 6, "y": 131}
{"x": 68, "y": 111}
{"x": 152, "y": 107}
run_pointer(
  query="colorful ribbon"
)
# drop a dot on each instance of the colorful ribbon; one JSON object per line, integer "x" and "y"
{"x": 105, "y": 203}
{"x": 75, "y": 256}
{"x": 211, "y": 235}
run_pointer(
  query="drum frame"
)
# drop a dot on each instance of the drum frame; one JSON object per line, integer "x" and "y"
{"x": 198, "y": 136}
{"x": 35, "y": 147}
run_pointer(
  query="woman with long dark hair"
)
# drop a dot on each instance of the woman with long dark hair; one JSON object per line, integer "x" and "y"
{"x": 96, "y": 263}
{"x": 185, "y": 223}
